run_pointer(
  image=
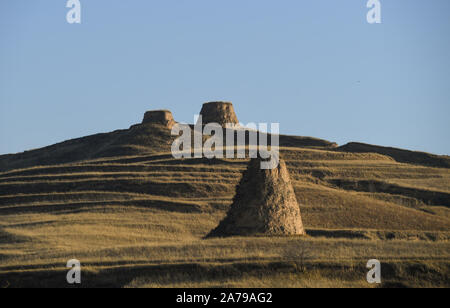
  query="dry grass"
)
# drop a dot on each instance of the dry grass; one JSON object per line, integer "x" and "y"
{"x": 125, "y": 216}
{"x": 132, "y": 237}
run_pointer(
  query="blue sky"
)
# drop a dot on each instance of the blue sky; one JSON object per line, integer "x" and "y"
{"x": 315, "y": 66}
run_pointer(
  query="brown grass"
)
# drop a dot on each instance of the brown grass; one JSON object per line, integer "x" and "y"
{"x": 126, "y": 216}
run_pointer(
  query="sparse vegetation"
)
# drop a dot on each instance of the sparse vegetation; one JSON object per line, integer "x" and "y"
{"x": 136, "y": 217}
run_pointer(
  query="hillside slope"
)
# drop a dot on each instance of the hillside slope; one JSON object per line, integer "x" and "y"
{"x": 140, "y": 139}
{"x": 123, "y": 205}
{"x": 400, "y": 155}
{"x": 318, "y": 178}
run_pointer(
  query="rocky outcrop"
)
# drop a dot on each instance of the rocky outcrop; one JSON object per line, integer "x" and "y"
{"x": 264, "y": 204}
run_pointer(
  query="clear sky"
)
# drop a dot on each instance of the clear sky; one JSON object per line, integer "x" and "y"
{"x": 315, "y": 66}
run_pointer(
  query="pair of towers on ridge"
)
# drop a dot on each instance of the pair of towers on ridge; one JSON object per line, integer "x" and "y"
{"x": 265, "y": 201}
{"x": 213, "y": 112}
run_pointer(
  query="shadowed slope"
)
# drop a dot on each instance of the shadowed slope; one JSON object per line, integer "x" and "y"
{"x": 400, "y": 155}
{"x": 139, "y": 139}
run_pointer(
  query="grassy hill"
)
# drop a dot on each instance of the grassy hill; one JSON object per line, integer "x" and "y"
{"x": 135, "y": 216}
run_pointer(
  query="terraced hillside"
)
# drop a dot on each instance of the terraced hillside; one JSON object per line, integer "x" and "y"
{"x": 135, "y": 216}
